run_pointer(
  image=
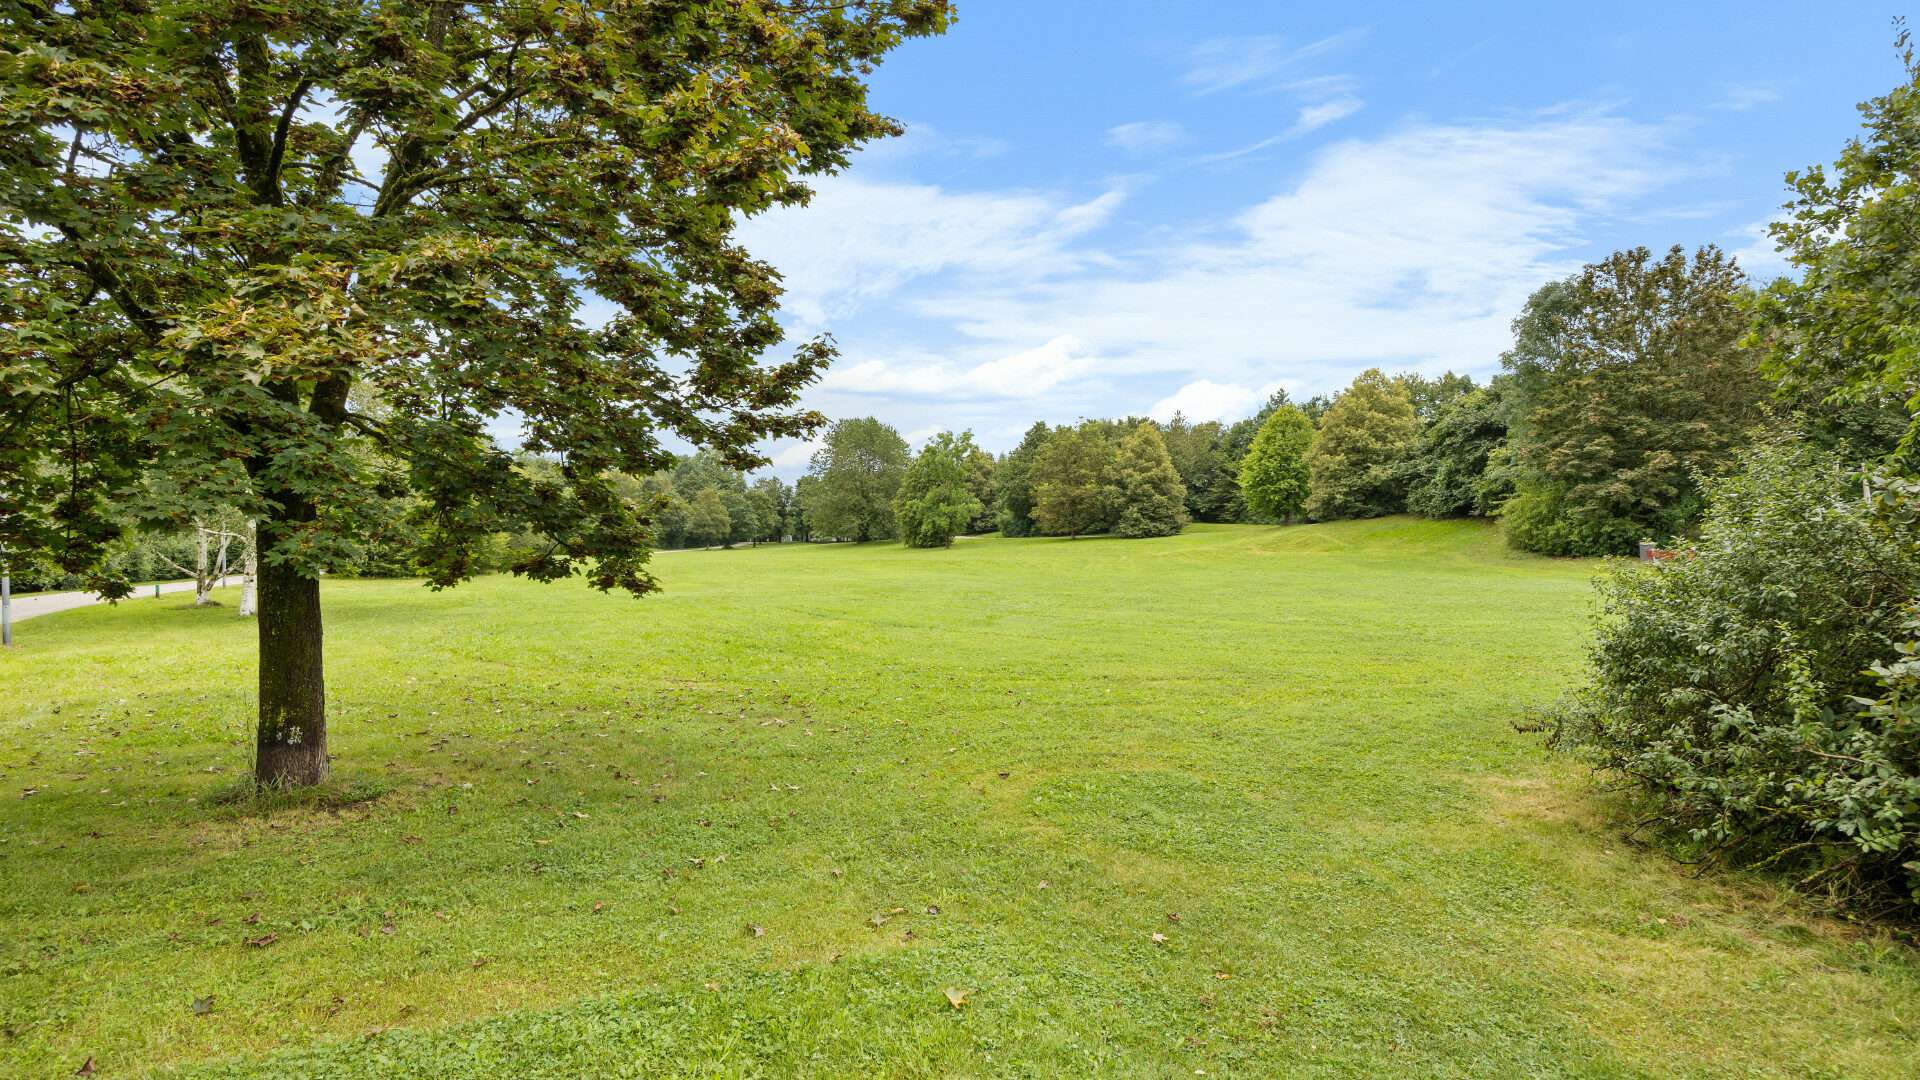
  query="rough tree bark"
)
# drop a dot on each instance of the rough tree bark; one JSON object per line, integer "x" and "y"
{"x": 292, "y": 745}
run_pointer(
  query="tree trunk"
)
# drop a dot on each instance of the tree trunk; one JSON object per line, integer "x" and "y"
{"x": 202, "y": 582}
{"x": 250, "y": 571}
{"x": 292, "y": 749}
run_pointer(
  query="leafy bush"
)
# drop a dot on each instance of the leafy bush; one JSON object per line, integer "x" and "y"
{"x": 1538, "y": 518}
{"x": 1759, "y": 689}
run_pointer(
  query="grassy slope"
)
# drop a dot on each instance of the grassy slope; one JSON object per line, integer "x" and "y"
{"x": 1297, "y": 741}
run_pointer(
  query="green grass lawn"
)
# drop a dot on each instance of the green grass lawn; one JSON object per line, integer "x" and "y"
{"x": 1247, "y": 801}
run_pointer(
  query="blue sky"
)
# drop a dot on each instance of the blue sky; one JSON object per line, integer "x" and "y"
{"x": 1116, "y": 208}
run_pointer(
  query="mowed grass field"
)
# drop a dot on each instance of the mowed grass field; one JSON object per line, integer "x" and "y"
{"x": 1243, "y": 802}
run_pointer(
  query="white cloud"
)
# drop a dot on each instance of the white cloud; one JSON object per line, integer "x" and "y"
{"x": 1310, "y": 118}
{"x": 1146, "y": 136}
{"x": 1754, "y": 250}
{"x": 796, "y": 454}
{"x": 923, "y": 141}
{"x": 1026, "y": 373}
{"x": 1415, "y": 249}
{"x": 1745, "y": 96}
{"x": 1254, "y": 59}
{"x": 860, "y": 239}
{"x": 1315, "y": 117}
{"x": 1205, "y": 400}
{"x": 1411, "y": 250}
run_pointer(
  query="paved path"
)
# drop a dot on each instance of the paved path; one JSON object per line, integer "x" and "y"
{"x": 26, "y": 607}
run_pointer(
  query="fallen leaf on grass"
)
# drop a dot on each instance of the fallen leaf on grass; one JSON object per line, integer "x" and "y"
{"x": 956, "y": 997}
{"x": 202, "y": 1005}
{"x": 252, "y": 920}
{"x": 1158, "y": 938}
{"x": 263, "y": 940}
{"x": 756, "y": 931}
{"x": 86, "y": 1067}
{"x": 1222, "y": 976}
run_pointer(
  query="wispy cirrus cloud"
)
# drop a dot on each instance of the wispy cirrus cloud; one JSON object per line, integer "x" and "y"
{"x": 1311, "y": 118}
{"x": 1260, "y": 60}
{"x": 1742, "y": 97}
{"x": 1146, "y": 136}
{"x": 1409, "y": 250}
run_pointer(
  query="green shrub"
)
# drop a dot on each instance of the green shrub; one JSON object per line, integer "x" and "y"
{"x": 1758, "y": 688}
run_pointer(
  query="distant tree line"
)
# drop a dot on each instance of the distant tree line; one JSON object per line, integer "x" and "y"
{"x": 1628, "y": 386}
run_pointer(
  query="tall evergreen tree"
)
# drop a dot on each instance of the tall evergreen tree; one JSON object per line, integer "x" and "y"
{"x": 936, "y": 500}
{"x": 1073, "y": 483}
{"x": 856, "y": 474}
{"x": 1273, "y": 475}
{"x": 1152, "y": 499}
{"x": 1354, "y": 464}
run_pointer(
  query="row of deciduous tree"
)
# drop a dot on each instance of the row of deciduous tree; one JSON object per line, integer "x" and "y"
{"x": 1095, "y": 477}
{"x": 1627, "y": 385}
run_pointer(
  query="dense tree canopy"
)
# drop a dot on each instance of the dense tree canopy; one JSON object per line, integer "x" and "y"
{"x": 222, "y": 220}
{"x": 1449, "y": 469}
{"x": 856, "y": 474}
{"x": 1150, "y": 500}
{"x": 1354, "y": 463}
{"x": 1074, "y": 482}
{"x": 1013, "y": 483}
{"x": 936, "y": 500}
{"x": 1200, "y": 457}
{"x": 1273, "y": 475}
{"x": 1848, "y": 328}
{"x": 1645, "y": 386}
